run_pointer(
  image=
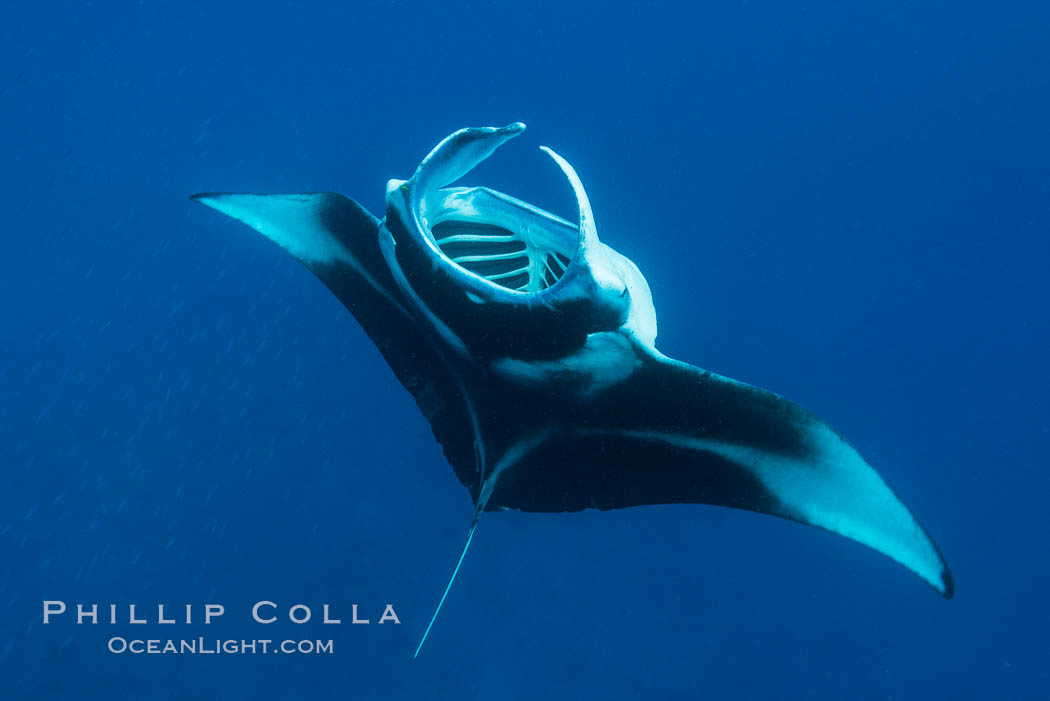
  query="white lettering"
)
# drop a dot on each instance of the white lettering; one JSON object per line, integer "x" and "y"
{"x": 213, "y": 610}
{"x": 327, "y": 619}
{"x": 53, "y": 607}
{"x": 92, "y": 614}
{"x": 389, "y": 615}
{"x": 292, "y": 610}
{"x": 255, "y": 611}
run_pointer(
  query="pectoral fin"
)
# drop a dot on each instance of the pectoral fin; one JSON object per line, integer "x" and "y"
{"x": 672, "y": 433}
{"x": 337, "y": 239}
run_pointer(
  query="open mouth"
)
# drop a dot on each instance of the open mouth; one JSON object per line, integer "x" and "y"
{"x": 498, "y": 238}
{"x": 499, "y": 255}
{"x": 494, "y": 238}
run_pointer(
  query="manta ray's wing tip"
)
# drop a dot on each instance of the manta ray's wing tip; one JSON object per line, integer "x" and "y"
{"x": 947, "y": 588}
{"x": 207, "y": 198}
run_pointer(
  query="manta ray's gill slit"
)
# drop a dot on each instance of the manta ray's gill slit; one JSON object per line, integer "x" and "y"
{"x": 457, "y": 245}
{"x": 499, "y": 255}
{"x": 549, "y": 276}
{"x": 496, "y": 267}
{"x": 555, "y": 265}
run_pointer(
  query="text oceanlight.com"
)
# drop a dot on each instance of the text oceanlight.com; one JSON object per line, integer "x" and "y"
{"x": 203, "y": 646}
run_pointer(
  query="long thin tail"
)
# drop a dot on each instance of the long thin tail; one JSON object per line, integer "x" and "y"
{"x": 470, "y": 536}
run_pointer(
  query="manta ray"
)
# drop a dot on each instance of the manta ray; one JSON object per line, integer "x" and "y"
{"x": 529, "y": 346}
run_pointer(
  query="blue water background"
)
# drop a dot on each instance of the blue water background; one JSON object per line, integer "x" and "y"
{"x": 847, "y": 203}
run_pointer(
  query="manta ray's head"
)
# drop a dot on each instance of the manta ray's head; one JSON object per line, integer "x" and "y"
{"x": 472, "y": 253}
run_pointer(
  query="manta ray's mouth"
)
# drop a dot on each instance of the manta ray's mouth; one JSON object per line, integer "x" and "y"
{"x": 499, "y": 255}
{"x": 503, "y": 240}
{"x": 488, "y": 241}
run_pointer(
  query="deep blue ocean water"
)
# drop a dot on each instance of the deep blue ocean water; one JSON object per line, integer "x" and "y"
{"x": 846, "y": 204}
